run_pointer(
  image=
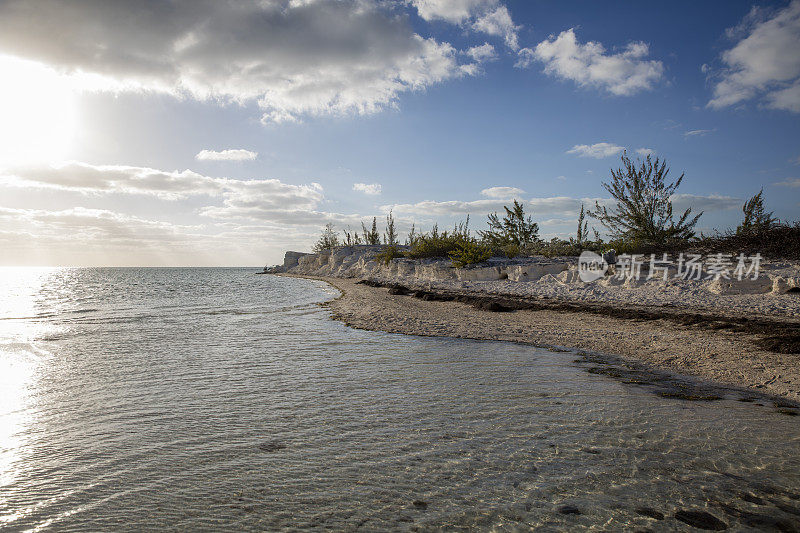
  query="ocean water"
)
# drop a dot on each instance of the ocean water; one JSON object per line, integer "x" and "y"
{"x": 215, "y": 399}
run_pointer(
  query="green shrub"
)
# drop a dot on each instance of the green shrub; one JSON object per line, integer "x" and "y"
{"x": 553, "y": 248}
{"x": 511, "y": 250}
{"x": 438, "y": 246}
{"x": 435, "y": 244}
{"x": 643, "y": 209}
{"x": 780, "y": 241}
{"x": 469, "y": 253}
{"x": 514, "y": 228}
{"x": 328, "y": 241}
{"x": 387, "y": 254}
{"x": 756, "y": 219}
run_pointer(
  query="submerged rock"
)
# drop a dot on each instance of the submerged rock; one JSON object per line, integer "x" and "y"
{"x": 399, "y": 290}
{"x": 271, "y": 446}
{"x": 752, "y": 498}
{"x": 650, "y": 513}
{"x": 701, "y": 520}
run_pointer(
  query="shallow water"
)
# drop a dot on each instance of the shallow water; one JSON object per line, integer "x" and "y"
{"x": 217, "y": 399}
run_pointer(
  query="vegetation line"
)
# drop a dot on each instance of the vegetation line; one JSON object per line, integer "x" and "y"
{"x": 639, "y": 220}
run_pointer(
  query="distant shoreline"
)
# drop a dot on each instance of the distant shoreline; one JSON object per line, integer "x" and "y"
{"x": 725, "y": 351}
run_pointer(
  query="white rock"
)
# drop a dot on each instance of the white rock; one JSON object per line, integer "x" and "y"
{"x": 434, "y": 272}
{"x": 781, "y": 284}
{"x": 761, "y": 285}
{"x": 533, "y": 272}
{"x": 491, "y": 273}
{"x": 568, "y": 276}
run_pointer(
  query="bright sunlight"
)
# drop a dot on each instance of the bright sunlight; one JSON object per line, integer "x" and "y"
{"x": 38, "y": 114}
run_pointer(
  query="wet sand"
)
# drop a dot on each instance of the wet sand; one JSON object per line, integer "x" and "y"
{"x": 729, "y": 351}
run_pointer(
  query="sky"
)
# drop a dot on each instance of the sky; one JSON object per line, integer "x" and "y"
{"x": 222, "y": 133}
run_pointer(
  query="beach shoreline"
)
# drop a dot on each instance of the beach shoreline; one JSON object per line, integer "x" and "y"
{"x": 720, "y": 350}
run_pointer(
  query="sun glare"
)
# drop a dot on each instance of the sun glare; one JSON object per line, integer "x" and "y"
{"x": 38, "y": 113}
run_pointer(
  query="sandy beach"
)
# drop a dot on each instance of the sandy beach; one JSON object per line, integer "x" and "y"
{"x": 707, "y": 349}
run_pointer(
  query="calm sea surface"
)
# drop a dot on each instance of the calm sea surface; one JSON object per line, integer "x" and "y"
{"x": 216, "y": 399}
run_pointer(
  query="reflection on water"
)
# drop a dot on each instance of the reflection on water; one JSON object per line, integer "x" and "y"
{"x": 212, "y": 398}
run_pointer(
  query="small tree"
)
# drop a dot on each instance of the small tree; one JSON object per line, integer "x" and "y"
{"x": 349, "y": 238}
{"x": 583, "y": 228}
{"x": 643, "y": 212}
{"x": 412, "y": 235}
{"x": 328, "y": 240}
{"x": 515, "y": 228}
{"x": 461, "y": 229}
{"x": 756, "y": 219}
{"x": 372, "y": 236}
{"x": 469, "y": 253}
{"x": 390, "y": 236}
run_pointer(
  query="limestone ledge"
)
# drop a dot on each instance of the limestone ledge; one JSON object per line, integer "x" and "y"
{"x": 360, "y": 262}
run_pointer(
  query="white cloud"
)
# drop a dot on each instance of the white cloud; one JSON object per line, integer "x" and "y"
{"x": 764, "y": 62}
{"x": 372, "y": 189}
{"x": 85, "y": 236}
{"x": 293, "y": 58}
{"x": 561, "y": 178}
{"x": 597, "y": 150}
{"x": 554, "y": 206}
{"x": 789, "y": 182}
{"x": 787, "y": 99}
{"x": 41, "y": 232}
{"x": 484, "y": 52}
{"x": 452, "y": 11}
{"x": 229, "y": 200}
{"x": 698, "y": 133}
{"x": 113, "y": 179}
{"x": 560, "y": 205}
{"x": 589, "y": 65}
{"x": 712, "y": 202}
{"x": 498, "y": 22}
{"x": 239, "y": 197}
{"x": 502, "y": 192}
{"x": 644, "y": 152}
{"x": 226, "y": 155}
{"x": 485, "y": 16}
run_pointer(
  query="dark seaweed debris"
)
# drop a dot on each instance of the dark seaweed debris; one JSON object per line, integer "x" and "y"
{"x": 773, "y": 335}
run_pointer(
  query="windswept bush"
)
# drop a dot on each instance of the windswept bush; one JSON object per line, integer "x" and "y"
{"x": 562, "y": 248}
{"x": 435, "y": 244}
{"x": 390, "y": 235}
{"x": 469, "y": 253}
{"x": 583, "y": 228}
{"x": 386, "y": 255}
{"x": 643, "y": 210}
{"x": 371, "y": 236}
{"x": 756, "y": 218}
{"x": 510, "y": 251}
{"x": 514, "y": 228}
{"x": 779, "y": 241}
{"x": 328, "y": 240}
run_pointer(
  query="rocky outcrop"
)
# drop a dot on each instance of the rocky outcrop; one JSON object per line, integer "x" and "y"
{"x": 535, "y": 271}
{"x": 290, "y": 260}
{"x": 761, "y": 285}
{"x": 362, "y": 262}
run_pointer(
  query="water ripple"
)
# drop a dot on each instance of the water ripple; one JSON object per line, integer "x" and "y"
{"x": 215, "y": 399}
